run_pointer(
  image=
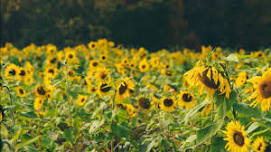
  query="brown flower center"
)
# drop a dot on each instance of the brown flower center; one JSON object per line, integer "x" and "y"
{"x": 123, "y": 87}
{"x": 51, "y": 71}
{"x": 53, "y": 61}
{"x": 143, "y": 66}
{"x": 187, "y": 97}
{"x": 94, "y": 64}
{"x": 168, "y": 102}
{"x": 265, "y": 89}
{"x": 144, "y": 103}
{"x": 103, "y": 75}
{"x": 12, "y": 72}
{"x": 21, "y": 91}
{"x": 105, "y": 88}
{"x": 70, "y": 56}
{"x": 260, "y": 146}
{"x": 41, "y": 91}
{"x": 22, "y": 73}
{"x": 239, "y": 138}
{"x": 209, "y": 82}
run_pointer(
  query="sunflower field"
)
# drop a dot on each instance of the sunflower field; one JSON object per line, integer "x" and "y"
{"x": 104, "y": 97}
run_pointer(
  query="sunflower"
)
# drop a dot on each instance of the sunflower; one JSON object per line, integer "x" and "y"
{"x": 38, "y": 103}
{"x": 241, "y": 79}
{"x": 92, "y": 45}
{"x": 71, "y": 57}
{"x": 262, "y": 90}
{"x": 52, "y": 61}
{"x": 104, "y": 88}
{"x": 11, "y": 71}
{"x": 81, "y": 100}
{"x": 208, "y": 78}
{"x": 20, "y": 91}
{"x": 93, "y": 64}
{"x": 40, "y": 91}
{"x": 144, "y": 66}
{"x": 21, "y": 74}
{"x": 144, "y": 103}
{"x": 92, "y": 89}
{"x": 186, "y": 100}
{"x": 102, "y": 75}
{"x": 124, "y": 89}
{"x": 51, "y": 72}
{"x": 131, "y": 110}
{"x": 236, "y": 137}
{"x": 168, "y": 103}
{"x": 259, "y": 145}
{"x": 28, "y": 80}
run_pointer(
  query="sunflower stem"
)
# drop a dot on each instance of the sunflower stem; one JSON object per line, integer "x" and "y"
{"x": 11, "y": 103}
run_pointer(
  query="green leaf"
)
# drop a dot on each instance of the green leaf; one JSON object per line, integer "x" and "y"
{"x": 21, "y": 145}
{"x": 245, "y": 111}
{"x": 30, "y": 114}
{"x": 252, "y": 127}
{"x": 122, "y": 130}
{"x": 218, "y": 144}
{"x": 68, "y": 134}
{"x": 194, "y": 110}
{"x": 207, "y": 132}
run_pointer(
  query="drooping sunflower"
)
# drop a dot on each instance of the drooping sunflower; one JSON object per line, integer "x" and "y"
{"x": 144, "y": 66}
{"x": 167, "y": 103}
{"x": 144, "y": 103}
{"x": 259, "y": 145}
{"x": 81, "y": 100}
{"x": 11, "y": 71}
{"x": 209, "y": 78}
{"x": 262, "y": 90}
{"x": 124, "y": 89}
{"x": 20, "y": 91}
{"x": 186, "y": 99}
{"x": 236, "y": 137}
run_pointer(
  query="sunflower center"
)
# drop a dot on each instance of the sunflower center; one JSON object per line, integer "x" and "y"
{"x": 53, "y": 61}
{"x": 209, "y": 82}
{"x": 168, "y": 102}
{"x": 94, "y": 64}
{"x": 103, "y": 75}
{"x": 239, "y": 138}
{"x": 143, "y": 66}
{"x": 105, "y": 88}
{"x": 265, "y": 89}
{"x": 144, "y": 103}
{"x": 70, "y": 73}
{"x": 103, "y": 57}
{"x": 22, "y": 73}
{"x": 123, "y": 87}
{"x": 21, "y": 91}
{"x": 83, "y": 99}
{"x": 70, "y": 56}
{"x": 12, "y": 72}
{"x": 41, "y": 91}
{"x": 187, "y": 97}
{"x": 260, "y": 146}
{"x": 51, "y": 71}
